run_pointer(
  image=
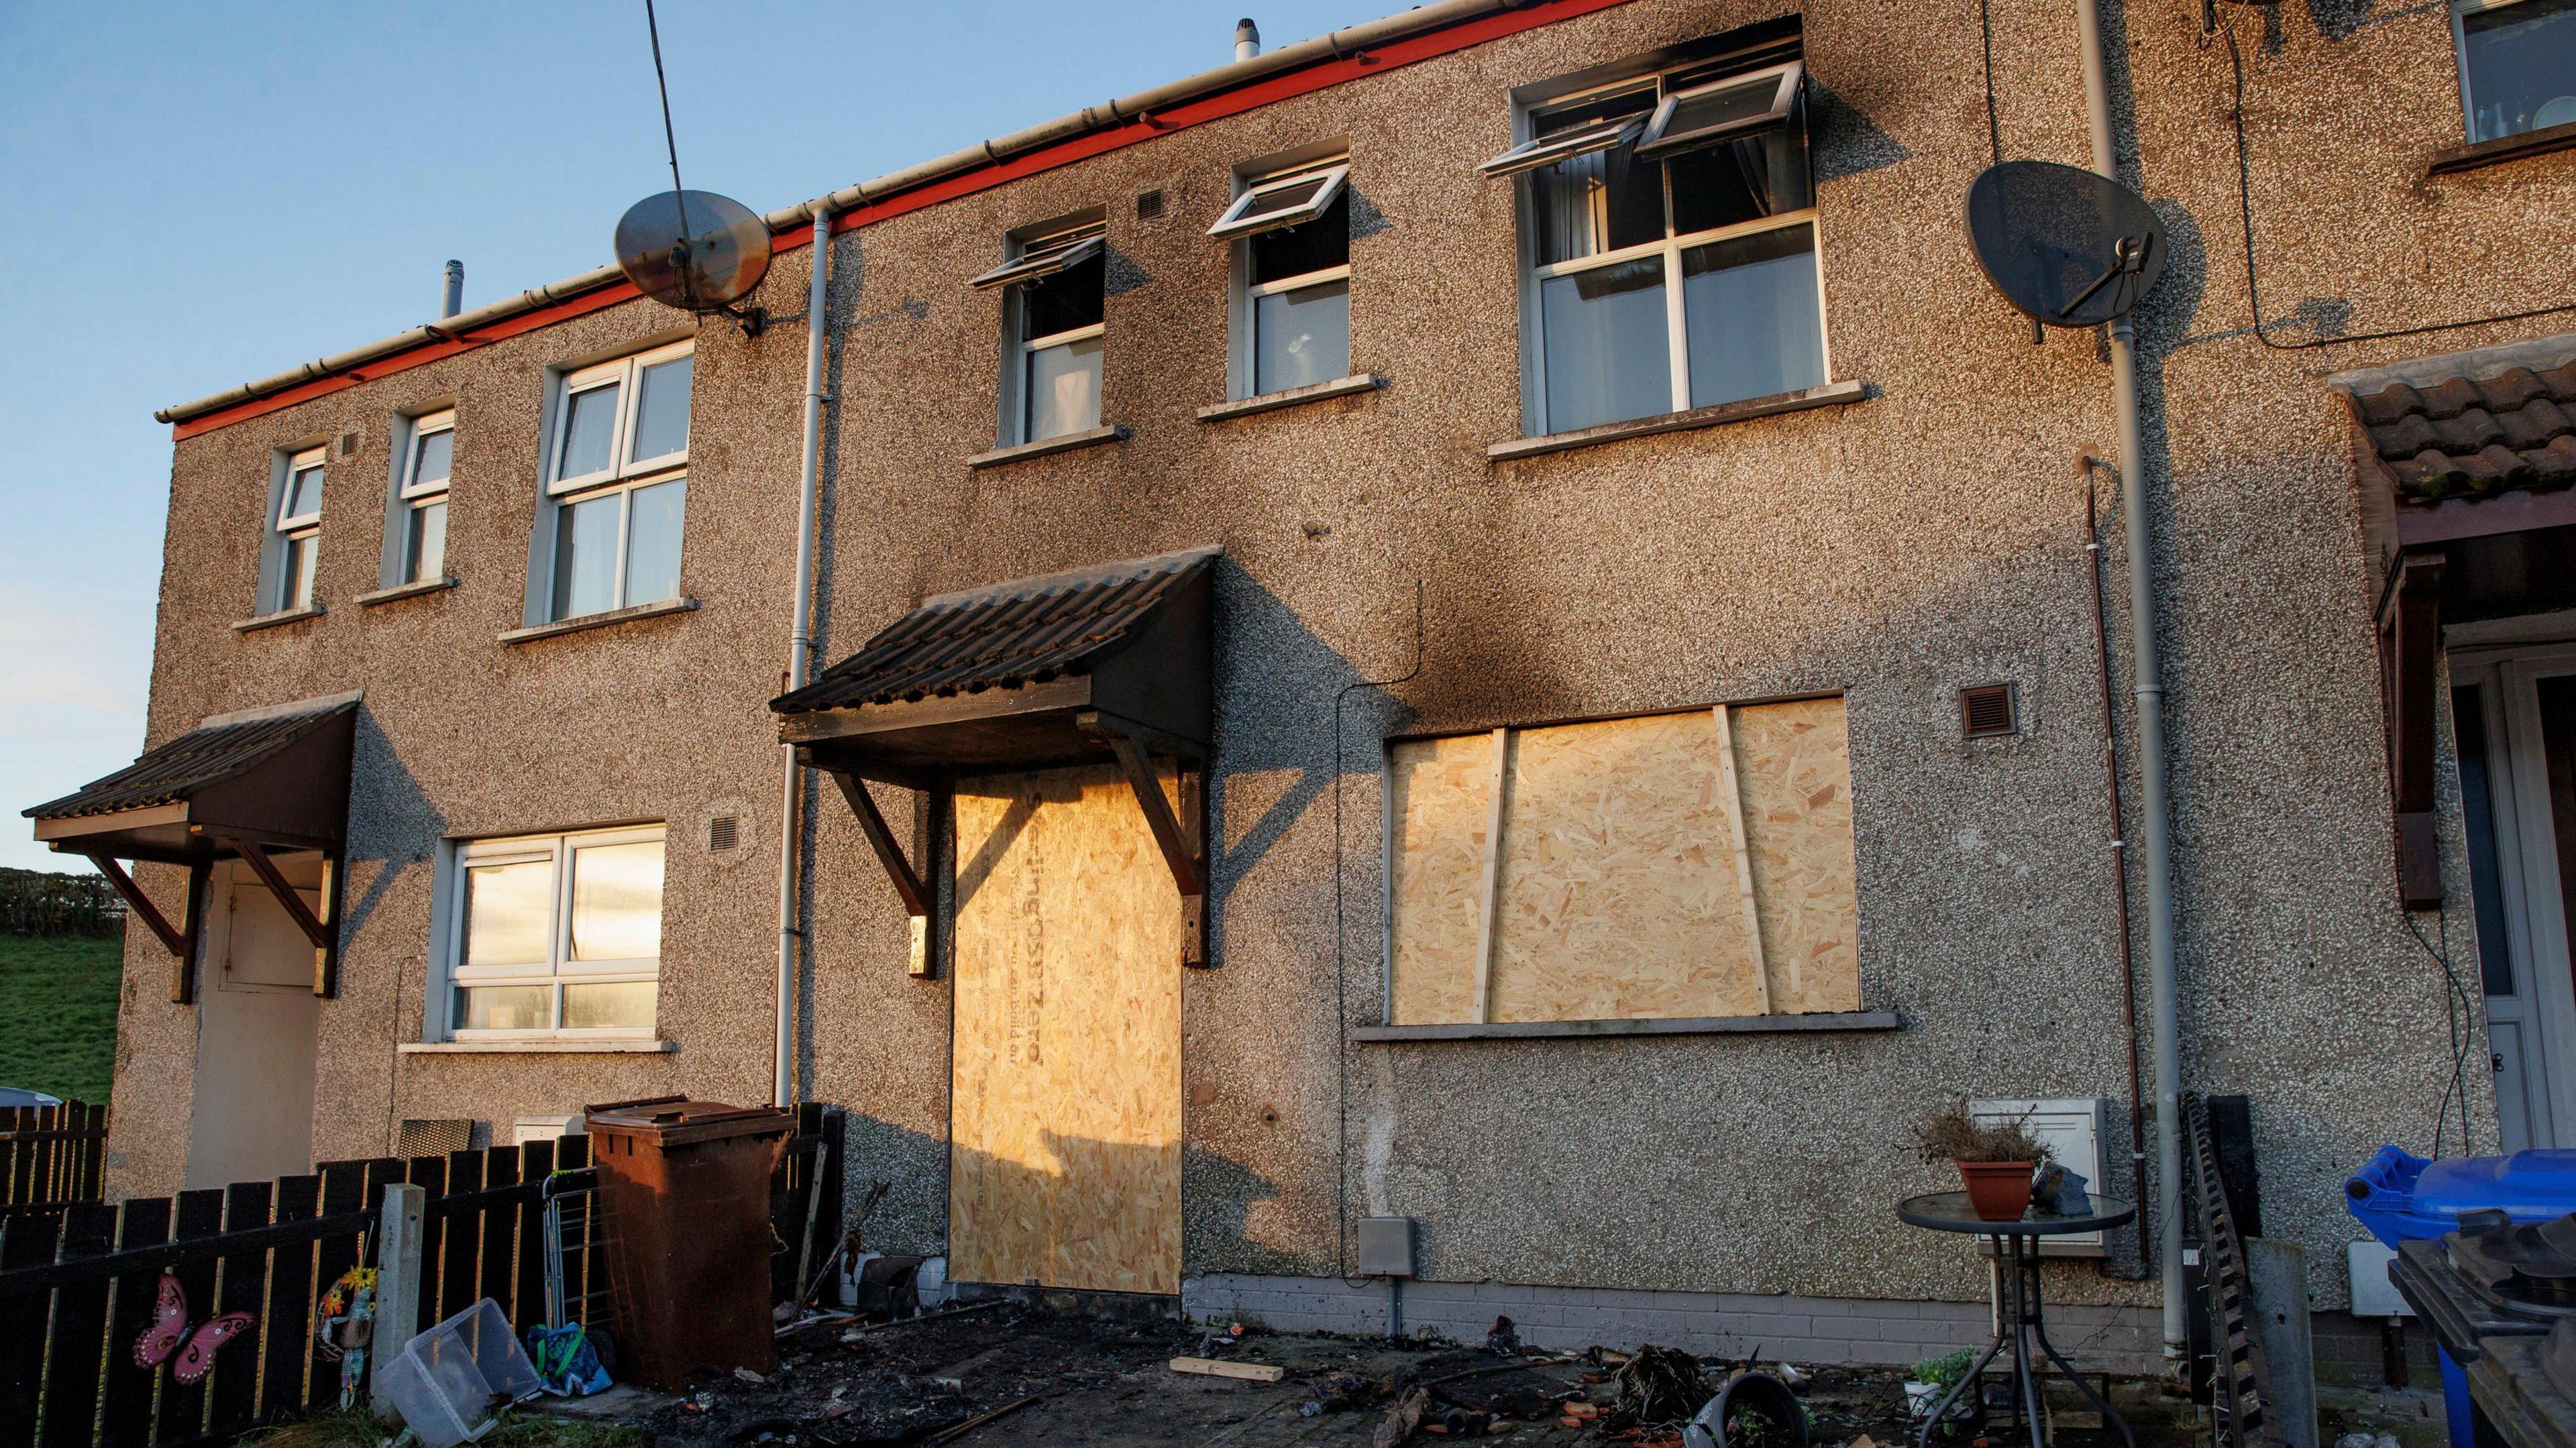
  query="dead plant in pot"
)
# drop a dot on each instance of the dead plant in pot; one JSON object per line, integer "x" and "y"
{"x": 1995, "y": 1159}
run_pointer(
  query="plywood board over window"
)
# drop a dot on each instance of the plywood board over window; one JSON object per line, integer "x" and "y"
{"x": 1670, "y": 865}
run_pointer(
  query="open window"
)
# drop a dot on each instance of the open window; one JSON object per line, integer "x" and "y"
{"x": 417, "y": 549}
{"x": 1669, "y": 241}
{"x": 616, "y": 484}
{"x": 1291, "y": 233}
{"x": 554, "y": 935}
{"x": 2517, "y": 65}
{"x": 1054, "y": 311}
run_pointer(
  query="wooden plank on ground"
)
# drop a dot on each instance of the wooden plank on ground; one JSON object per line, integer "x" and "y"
{"x": 288, "y": 1321}
{"x": 79, "y": 1335}
{"x": 1220, "y": 1368}
{"x": 130, "y": 1390}
{"x": 181, "y": 1413}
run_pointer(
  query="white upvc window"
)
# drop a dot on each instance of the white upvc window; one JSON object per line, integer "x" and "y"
{"x": 421, "y": 498}
{"x": 2517, "y": 65}
{"x": 1668, "y": 232}
{"x": 299, "y": 531}
{"x": 1054, "y": 322}
{"x": 616, "y": 476}
{"x": 554, "y": 935}
{"x": 1292, "y": 315}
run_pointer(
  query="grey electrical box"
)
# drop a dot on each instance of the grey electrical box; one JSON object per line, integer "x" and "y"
{"x": 1386, "y": 1246}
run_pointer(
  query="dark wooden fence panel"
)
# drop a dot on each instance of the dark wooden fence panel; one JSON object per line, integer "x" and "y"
{"x": 51, "y": 1156}
{"x": 131, "y": 1389}
{"x": 456, "y": 1281}
{"x": 183, "y": 1408}
{"x": 288, "y": 1322}
{"x": 79, "y": 1332}
{"x": 25, "y": 1241}
{"x": 499, "y": 1278}
{"x": 232, "y": 1392}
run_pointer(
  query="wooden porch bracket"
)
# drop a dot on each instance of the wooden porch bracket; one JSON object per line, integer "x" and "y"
{"x": 320, "y": 929}
{"x": 2410, "y": 653}
{"x": 917, "y": 889}
{"x": 150, "y": 914}
{"x": 1181, "y": 836}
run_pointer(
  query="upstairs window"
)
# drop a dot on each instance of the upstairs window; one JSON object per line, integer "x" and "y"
{"x": 616, "y": 479}
{"x": 1669, "y": 239}
{"x": 1292, "y": 234}
{"x": 1054, "y": 310}
{"x": 298, "y": 532}
{"x": 556, "y": 933}
{"x": 421, "y": 499}
{"x": 2517, "y": 65}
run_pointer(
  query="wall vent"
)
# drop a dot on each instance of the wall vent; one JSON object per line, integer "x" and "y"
{"x": 348, "y": 444}
{"x": 1149, "y": 204}
{"x": 1987, "y": 710}
{"x": 724, "y": 834}
{"x": 434, "y": 1138}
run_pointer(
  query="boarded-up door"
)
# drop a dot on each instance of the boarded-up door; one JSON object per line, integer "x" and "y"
{"x": 1065, "y": 1145}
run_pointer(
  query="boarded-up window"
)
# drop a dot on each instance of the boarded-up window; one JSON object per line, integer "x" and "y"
{"x": 1693, "y": 864}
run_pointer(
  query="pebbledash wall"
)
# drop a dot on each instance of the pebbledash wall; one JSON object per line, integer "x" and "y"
{"x": 1719, "y": 1190}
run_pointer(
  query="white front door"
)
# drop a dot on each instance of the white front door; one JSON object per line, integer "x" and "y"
{"x": 251, "y": 1117}
{"x": 2515, "y": 717}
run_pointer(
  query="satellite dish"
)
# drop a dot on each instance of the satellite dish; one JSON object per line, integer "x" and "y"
{"x": 696, "y": 251}
{"x": 2071, "y": 248}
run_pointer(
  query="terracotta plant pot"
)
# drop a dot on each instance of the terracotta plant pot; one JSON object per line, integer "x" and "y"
{"x": 1998, "y": 1191}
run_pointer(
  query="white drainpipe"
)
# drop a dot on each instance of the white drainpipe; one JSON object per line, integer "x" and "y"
{"x": 800, "y": 648}
{"x": 2147, "y": 663}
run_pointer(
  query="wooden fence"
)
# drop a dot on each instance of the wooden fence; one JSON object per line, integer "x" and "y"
{"x": 79, "y": 1285}
{"x": 51, "y": 1156}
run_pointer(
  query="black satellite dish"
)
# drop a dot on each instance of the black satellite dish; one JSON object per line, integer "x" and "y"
{"x": 696, "y": 251}
{"x": 2071, "y": 248}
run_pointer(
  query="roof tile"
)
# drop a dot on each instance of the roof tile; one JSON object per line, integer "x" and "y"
{"x": 2468, "y": 432}
{"x": 2472, "y": 425}
{"x": 2508, "y": 390}
{"x": 2449, "y": 398}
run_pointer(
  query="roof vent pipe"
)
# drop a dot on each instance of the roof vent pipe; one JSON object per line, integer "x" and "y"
{"x": 451, "y": 299}
{"x": 1247, "y": 40}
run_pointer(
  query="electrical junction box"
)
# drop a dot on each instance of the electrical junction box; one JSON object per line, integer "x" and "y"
{"x": 1386, "y": 1247}
{"x": 2071, "y": 1128}
{"x": 545, "y": 1128}
{"x": 2373, "y": 1295}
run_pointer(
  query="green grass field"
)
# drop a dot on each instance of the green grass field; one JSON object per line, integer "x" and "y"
{"x": 58, "y": 1014}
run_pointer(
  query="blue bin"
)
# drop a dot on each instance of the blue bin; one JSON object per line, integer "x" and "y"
{"x": 2401, "y": 1197}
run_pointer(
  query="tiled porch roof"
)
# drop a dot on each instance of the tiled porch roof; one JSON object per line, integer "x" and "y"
{"x": 2471, "y": 425}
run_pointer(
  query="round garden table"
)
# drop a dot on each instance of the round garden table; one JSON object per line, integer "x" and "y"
{"x": 2019, "y": 1317}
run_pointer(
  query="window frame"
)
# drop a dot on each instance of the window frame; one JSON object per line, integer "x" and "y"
{"x": 621, "y": 477}
{"x": 1533, "y": 274}
{"x": 298, "y": 536}
{"x": 1243, "y": 345}
{"x": 412, "y": 497}
{"x": 559, "y": 969}
{"x": 1044, "y": 251}
{"x": 1656, "y": 141}
{"x": 2460, "y": 11}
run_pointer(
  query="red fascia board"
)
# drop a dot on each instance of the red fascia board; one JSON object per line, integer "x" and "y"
{"x": 1267, "y": 91}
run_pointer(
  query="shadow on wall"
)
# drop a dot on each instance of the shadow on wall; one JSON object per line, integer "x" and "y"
{"x": 392, "y": 824}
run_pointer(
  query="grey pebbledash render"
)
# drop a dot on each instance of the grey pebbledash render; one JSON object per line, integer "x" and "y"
{"x": 1539, "y": 680}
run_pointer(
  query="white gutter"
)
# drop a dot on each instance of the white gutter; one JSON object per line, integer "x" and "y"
{"x": 1335, "y": 45}
{"x": 2147, "y": 665}
{"x": 800, "y": 650}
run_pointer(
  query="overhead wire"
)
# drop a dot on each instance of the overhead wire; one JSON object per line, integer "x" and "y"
{"x": 2245, "y": 211}
{"x": 671, "y": 143}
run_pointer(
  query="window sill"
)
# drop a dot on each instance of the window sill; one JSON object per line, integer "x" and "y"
{"x": 2479, "y": 155}
{"x": 1047, "y": 447}
{"x": 279, "y": 619}
{"x": 1831, "y": 394}
{"x": 587, "y": 621}
{"x": 1350, "y": 386}
{"x": 1670, "y": 1026}
{"x": 402, "y": 591}
{"x": 538, "y": 1048}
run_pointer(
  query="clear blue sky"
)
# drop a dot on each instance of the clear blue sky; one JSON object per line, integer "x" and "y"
{"x": 195, "y": 195}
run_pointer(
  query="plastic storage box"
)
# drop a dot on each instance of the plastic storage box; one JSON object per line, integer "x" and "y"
{"x": 2401, "y": 1197}
{"x": 445, "y": 1381}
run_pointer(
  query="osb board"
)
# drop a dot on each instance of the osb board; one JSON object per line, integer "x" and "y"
{"x": 1065, "y": 1147}
{"x": 1617, "y": 894}
{"x": 1795, "y": 759}
{"x": 1617, "y": 888}
{"x": 1441, "y": 793}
